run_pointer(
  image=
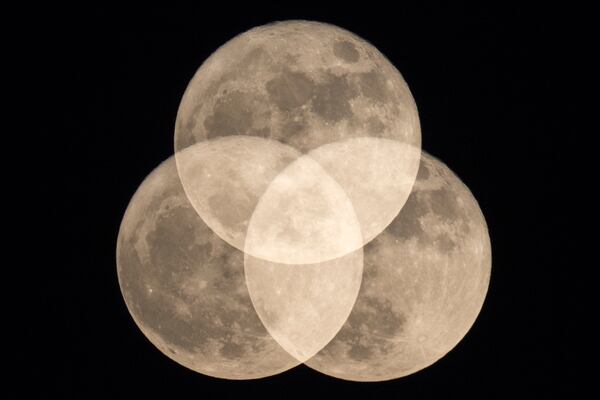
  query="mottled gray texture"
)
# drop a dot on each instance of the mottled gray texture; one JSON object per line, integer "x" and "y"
{"x": 302, "y": 83}
{"x": 425, "y": 279}
{"x": 185, "y": 287}
{"x": 346, "y": 51}
{"x": 332, "y": 99}
{"x": 290, "y": 90}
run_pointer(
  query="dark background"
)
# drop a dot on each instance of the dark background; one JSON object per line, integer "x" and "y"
{"x": 113, "y": 79}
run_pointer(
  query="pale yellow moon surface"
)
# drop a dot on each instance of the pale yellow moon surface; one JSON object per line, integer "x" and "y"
{"x": 303, "y": 217}
{"x": 302, "y": 83}
{"x": 185, "y": 287}
{"x": 304, "y": 306}
{"x": 225, "y": 177}
{"x": 377, "y": 175}
{"x": 307, "y": 84}
{"x": 424, "y": 282}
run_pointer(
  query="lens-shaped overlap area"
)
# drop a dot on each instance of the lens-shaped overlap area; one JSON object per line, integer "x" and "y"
{"x": 376, "y": 174}
{"x": 304, "y": 306}
{"x": 306, "y": 222}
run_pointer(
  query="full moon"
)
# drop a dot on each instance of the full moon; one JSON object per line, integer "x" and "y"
{"x": 424, "y": 282}
{"x": 319, "y": 90}
{"x": 299, "y": 221}
{"x": 185, "y": 287}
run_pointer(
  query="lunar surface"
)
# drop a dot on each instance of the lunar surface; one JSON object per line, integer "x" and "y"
{"x": 299, "y": 221}
{"x": 185, "y": 287}
{"x": 314, "y": 87}
{"x": 304, "y": 306}
{"x": 424, "y": 282}
{"x": 304, "y": 217}
{"x": 376, "y": 174}
{"x": 302, "y": 83}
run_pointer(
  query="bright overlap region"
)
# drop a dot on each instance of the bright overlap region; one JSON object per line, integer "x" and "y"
{"x": 299, "y": 221}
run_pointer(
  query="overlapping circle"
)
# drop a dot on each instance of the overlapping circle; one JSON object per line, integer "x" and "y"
{"x": 295, "y": 201}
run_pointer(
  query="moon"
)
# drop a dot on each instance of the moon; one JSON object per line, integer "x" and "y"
{"x": 320, "y": 90}
{"x": 185, "y": 287}
{"x": 424, "y": 282}
{"x": 304, "y": 306}
{"x": 305, "y": 221}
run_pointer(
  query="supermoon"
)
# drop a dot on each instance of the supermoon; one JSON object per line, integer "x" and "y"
{"x": 317, "y": 89}
{"x": 185, "y": 287}
{"x": 424, "y": 282}
{"x": 299, "y": 221}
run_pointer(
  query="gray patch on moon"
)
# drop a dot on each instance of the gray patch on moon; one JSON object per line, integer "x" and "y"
{"x": 256, "y": 59}
{"x": 185, "y": 287}
{"x": 217, "y": 89}
{"x": 378, "y": 314}
{"x": 295, "y": 127}
{"x": 295, "y": 78}
{"x": 290, "y": 90}
{"x": 373, "y": 85}
{"x": 234, "y": 114}
{"x": 424, "y": 202}
{"x": 332, "y": 98}
{"x": 445, "y": 242}
{"x": 374, "y": 126}
{"x": 346, "y": 51}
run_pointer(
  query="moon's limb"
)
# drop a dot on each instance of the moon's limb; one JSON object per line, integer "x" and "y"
{"x": 302, "y": 83}
{"x": 310, "y": 86}
{"x": 185, "y": 287}
{"x": 224, "y": 178}
{"x": 376, "y": 174}
{"x": 424, "y": 282}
